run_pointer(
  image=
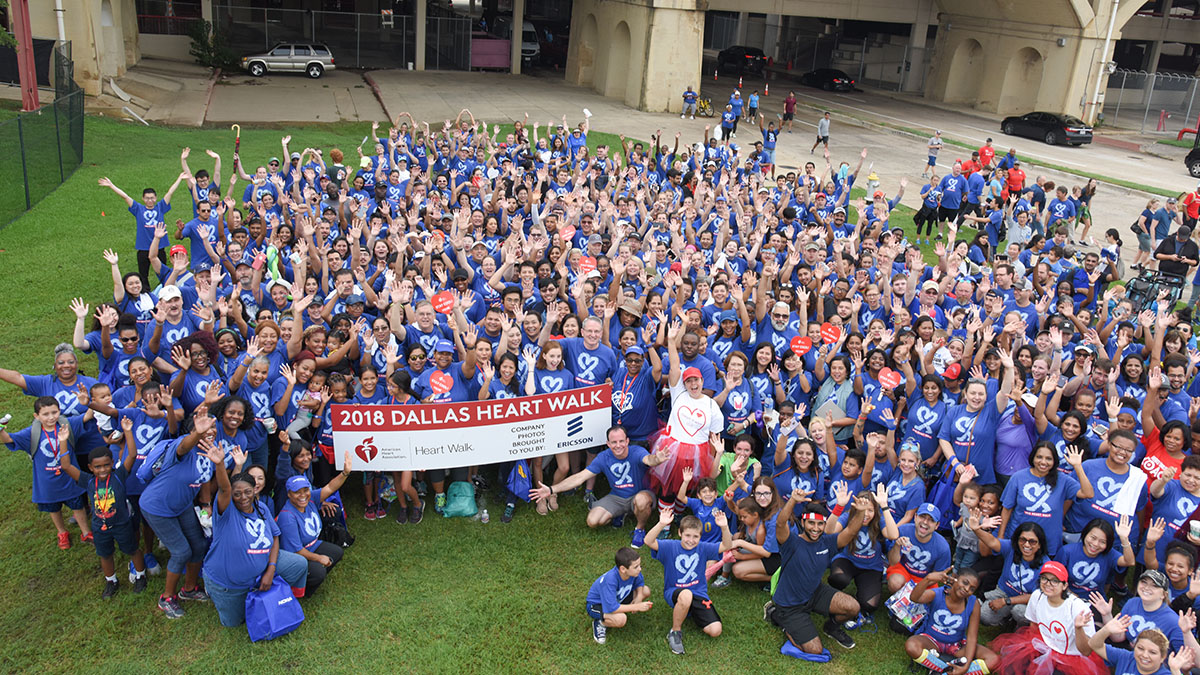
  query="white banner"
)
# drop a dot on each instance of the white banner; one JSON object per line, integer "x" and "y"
{"x": 474, "y": 433}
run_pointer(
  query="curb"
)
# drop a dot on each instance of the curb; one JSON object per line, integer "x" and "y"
{"x": 212, "y": 83}
{"x": 375, "y": 90}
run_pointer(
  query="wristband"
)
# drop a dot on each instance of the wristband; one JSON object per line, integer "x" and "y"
{"x": 270, "y": 564}
{"x": 837, "y": 510}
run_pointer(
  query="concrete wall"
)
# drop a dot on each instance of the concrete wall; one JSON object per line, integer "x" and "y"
{"x": 643, "y": 52}
{"x": 103, "y": 35}
{"x": 169, "y": 47}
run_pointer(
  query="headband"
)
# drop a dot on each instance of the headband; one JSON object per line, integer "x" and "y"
{"x": 812, "y": 515}
{"x": 1129, "y": 411}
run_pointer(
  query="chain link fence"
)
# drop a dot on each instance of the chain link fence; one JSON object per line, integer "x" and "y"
{"x": 1151, "y": 102}
{"x": 43, "y": 146}
{"x": 357, "y": 40}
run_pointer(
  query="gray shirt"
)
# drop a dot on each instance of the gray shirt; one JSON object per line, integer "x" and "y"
{"x": 935, "y": 144}
{"x": 823, "y": 126}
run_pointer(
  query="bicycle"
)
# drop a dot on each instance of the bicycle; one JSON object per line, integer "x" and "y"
{"x": 704, "y": 107}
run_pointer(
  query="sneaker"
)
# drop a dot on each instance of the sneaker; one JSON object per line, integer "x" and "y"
{"x": 170, "y": 607}
{"x": 400, "y": 514}
{"x": 64, "y": 540}
{"x": 541, "y": 507}
{"x": 416, "y": 513}
{"x": 858, "y": 622}
{"x": 589, "y": 498}
{"x": 507, "y": 518}
{"x": 839, "y": 635}
{"x": 421, "y": 489}
{"x": 675, "y": 641}
{"x": 769, "y": 612}
{"x": 599, "y": 631}
{"x": 618, "y": 521}
{"x": 86, "y": 537}
{"x": 692, "y": 117}
{"x": 721, "y": 581}
{"x": 370, "y": 513}
{"x": 110, "y": 589}
{"x": 439, "y": 503}
{"x": 152, "y": 566}
{"x": 132, "y": 573}
{"x": 139, "y": 584}
{"x": 601, "y": 641}
{"x": 196, "y": 594}
{"x": 639, "y": 537}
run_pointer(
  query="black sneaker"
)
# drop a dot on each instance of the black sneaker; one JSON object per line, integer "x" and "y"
{"x": 769, "y": 612}
{"x": 110, "y": 589}
{"x": 400, "y": 514}
{"x": 599, "y": 631}
{"x": 834, "y": 630}
{"x": 416, "y": 514}
{"x": 675, "y": 641}
{"x": 139, "y": 584}
{"x": 507, "y": 518}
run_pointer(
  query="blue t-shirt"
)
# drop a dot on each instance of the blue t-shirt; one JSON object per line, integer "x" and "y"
{"x": 919, "y": 559}
{"x": 459, "y": 388}
{"x": 626, "y": 477}
{"x": 952, "y": 188}
{"x": 241, "y": 547}
{"x": 684, "y": 568}
{"x": 610, "y": 590}
{"x": 944, "y": 625}
{"x": 802, "y": 564}
{"x": 973, "y": 437}
{"x": 1142, "y": 619}
{"x": 904, "y": 497}
{"x": 590, "y": 366}
{"x": 1088, "y": 574}
{"x": 1018, "y": 576}
{"x": 50, "y": 385}
{"x": 1107, "y": 486}
{"x": 709, "y": 531}
{"x": 865, "y": 553}
{"x": 177, "y": 483}
{"x": 1032, "y": 500}
{"x": 633, "y": 405}
{"x": 192, "y": 231}
{"x": 297, "y": 529}
{"x": 50, "y": 483}
{"x": 109, "y": 506}
{"x": 924, "y": 425}
{"x": 146, "y": 220}
{"x": 1122, "y": 662}
{"x": 1175, "y": 506}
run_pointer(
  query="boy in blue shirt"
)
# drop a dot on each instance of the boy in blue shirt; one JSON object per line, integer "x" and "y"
{"x": 111, "y": 522}
{"x": 685, "y": 586}
{"x": 617, "y": 593}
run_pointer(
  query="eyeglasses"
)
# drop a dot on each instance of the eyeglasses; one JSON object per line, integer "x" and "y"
{"x": 759, "y": 493}
{"x": 1027, "y": 540}
{"x": 129, "y": 339}
{"x": 204, "y": 210}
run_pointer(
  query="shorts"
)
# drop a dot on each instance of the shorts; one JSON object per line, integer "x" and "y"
{"x": 946, "y": 214}
{"x": 595, "y": 610}
{"x": 796, "y": 621}
{"x": 823, "y": 139}
{"x": 74, "y": 503}
{"x": 1144, "y": 243}
{"x": 789, "y": 116}
{"x": 771, "y": 563}
{"x": 122, "y": 535}
{"x": 768, "y": 156}
{"x": 947, "y": 648}
{"x": 701, "y": 612}
{"x": 617, "y": 506}
{"x": 900, "y": 569}
{"x": 932, "y": 161}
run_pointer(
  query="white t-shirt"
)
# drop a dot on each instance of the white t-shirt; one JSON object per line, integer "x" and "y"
{"x": 1057, "y": 624}
{"x": 692, "y": 419}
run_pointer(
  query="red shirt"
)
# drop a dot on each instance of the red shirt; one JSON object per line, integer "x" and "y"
{"x": 1157, "y": 459}
{"x": 969, "y": 167}
{"x": 1191, "y": 203}
{"x": 986, "y": 155}
{"x": 1016, "y": 179}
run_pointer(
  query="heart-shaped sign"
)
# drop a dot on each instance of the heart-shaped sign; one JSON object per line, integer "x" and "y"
{"x": 567, "y": 233}
{"x": 890, "y": 378}
{"x": 830, "y": 333}
{"x": 800, "y": 345}
{"x": 586, "y": 264}
{"x": 443, "y": 302}
{"x": 439, "y": 238}
{"x": 440, "y": 382}
{"x": 367, "y": 450}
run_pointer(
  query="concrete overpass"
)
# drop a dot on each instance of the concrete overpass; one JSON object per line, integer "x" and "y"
{"x": 1001, "y": 57}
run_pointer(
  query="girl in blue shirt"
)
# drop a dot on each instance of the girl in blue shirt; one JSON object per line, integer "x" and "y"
{"x": 739, "y": 400}
{"x": 1091, "y": 561}
{"x": 905, "y": 489}
{"x": 546, "y": 374}
{"x": 1150, "y": 655}
{"x": 863, "y": 560}
{"x": 798, "y": 470}
{"x": 1023, "y": 556}
{"x": 953, "y": 624}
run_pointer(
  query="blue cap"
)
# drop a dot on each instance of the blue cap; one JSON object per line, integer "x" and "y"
{"x": 928, "y": 509}
{"x": 635, "y": 350}
{"x": 356, "y": 299}
{"x": 444, "y": 346}
{"x": 202, "y": 266}
{"x": 727, "y": 315}
{"x": 297, "y": 483}
{"x": 246, "y": 259}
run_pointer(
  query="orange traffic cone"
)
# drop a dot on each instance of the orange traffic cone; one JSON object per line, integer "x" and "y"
{"x": 767, "y": 89}
{"x": 739, "y": 83}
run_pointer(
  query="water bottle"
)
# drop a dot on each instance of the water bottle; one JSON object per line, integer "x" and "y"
{"x": 484, "y": 518}
{"x": 5, "y": 420}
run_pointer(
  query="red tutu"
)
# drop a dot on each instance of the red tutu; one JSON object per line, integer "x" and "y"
{"x": 666, "y": 478}
{"x": 1024, "y": 653}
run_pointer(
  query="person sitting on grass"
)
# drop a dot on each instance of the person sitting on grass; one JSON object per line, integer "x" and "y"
{"x": 111, "y": 521}
{"x": 617, "y": 593}
{"x": 704, "y": 506}
{"x": 952, "y": 629}
{"x": 300, "y": 526}
{"x": 1151, "y": 653}
{"x": 685, "y": 586}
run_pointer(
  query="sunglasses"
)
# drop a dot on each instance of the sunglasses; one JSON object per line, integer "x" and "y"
{"x": 129, "y": 339}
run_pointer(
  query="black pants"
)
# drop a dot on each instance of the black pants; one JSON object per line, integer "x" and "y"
{"x": 868, "y": 584}
{"x": 317, "y": 571}
{"x": 439, "y": 475}
{"x": 143, "y": 258}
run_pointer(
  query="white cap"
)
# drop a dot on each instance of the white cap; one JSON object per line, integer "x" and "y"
{"x": 169, "y": 293}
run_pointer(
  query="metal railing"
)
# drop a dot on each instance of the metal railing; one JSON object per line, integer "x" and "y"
{"x": 45, "y": 146}
{"x": 1151, "y": 102}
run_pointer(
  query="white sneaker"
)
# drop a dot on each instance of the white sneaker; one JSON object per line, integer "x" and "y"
{"x": 681, "y": 117}
{"x": 205, "y": 519}
{"x": 693, "y": 117}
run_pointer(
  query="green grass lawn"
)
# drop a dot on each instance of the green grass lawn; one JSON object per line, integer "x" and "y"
{"x": 442, "y": 596}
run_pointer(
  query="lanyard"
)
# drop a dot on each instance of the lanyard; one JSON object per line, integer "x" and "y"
{"x": 52, "y": 441}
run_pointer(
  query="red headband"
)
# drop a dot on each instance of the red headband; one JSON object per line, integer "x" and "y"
{"x": 812, "y": 515}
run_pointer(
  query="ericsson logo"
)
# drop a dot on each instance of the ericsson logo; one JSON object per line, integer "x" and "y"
{"x": 574, "y": 425}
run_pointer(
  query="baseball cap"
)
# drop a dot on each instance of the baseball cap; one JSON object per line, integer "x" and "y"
{"x": 930, "y": 285}
{"x": 1155, "y": 577}
{"x": 279, "y": 282}
{"x": 1086, "y": 349}
{"x": 930, "y": 510}
{"x": 444, "y": 346}
{"x": 356, "y": 299}
{"x": 1059, "y": 571}
{"x": 297, "y": 483}
{"x": 295, "y": 155}
{"x": 690, "y": 372}
{"x": 812, "y": 246}
{"x": 595, "y": 239}
{"x": 273, "y": 159}
{"x": 169, "y": 293}
{"x": 634, "y": 350}
{"x": 839, "y": 209}
{"x": 459, "y": 274}
{"x": 202, "y": 266}
{"x": 727, "y": 315}
{"x": 952, "y": 372}
{"x": 178, "y": 248}
{"x": 878, "y": 194}
{"x": 245, "y": 260}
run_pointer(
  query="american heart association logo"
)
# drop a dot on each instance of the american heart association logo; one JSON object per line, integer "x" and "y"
{"x": 366, "y": 450}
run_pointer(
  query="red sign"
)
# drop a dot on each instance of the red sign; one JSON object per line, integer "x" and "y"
{"x": 801, "y": 345}
{"x": 443, "y": 302}
{"x": 567, "y": 234}
{"x": 890, "y": 378}
{"x": 830, "y": 333}
{"x": 441, "y": 382}
{"x": 586, "y": 264}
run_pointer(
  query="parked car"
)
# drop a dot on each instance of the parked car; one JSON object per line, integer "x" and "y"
{"x": 287, "y": 57}
{"x": 828, "y": 79}
{"x": 1053, "y": 128}
{"x": 1193, "y": 159}
{"x": 530, "y": 48}
{"x": 742, "y": 60}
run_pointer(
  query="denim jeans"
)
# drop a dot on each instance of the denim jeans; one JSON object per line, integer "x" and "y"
{"x": 183, "y": 537}
{"x": 231, "y": 602}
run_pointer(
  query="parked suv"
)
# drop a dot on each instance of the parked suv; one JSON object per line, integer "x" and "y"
{"x": 288, "y": 57}
{"x": 742, "y": 60}
{"x": 1193, "y": 159}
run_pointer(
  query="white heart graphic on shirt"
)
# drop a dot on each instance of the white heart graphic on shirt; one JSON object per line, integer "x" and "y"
{"x": 693, "y": 419}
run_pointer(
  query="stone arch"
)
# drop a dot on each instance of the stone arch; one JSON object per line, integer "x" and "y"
{"x": 966, "y": 72}
{"x": 1022, "y": 82}
{"x": 616, "y": 70}
{"x": 589, "y": 38}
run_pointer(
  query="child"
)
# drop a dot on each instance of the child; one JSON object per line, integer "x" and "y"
{"x": 966, "y": 496}
{"x": 618, "y": 592}
{"x": 704, "y": 509}
{"x": 309, "y": 402}
{"x": 684, "y": 584}
{"x": 110, "y": 512}
{"x": 52, "y": 489}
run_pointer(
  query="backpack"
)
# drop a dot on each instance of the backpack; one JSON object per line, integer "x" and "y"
{"x": 460, "y": 500}
{"x": 153, "y": 463}
{"x": 33, "y": 436}
{"x": 334, "y": 532}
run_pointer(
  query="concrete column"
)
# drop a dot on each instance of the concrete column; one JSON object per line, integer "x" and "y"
{"x": 914, "y": 79}
{"x": 206, "y": 10}
{"x": 743, "y": 22}
{"x": 421, "y": 21}
{"x": 518, "y": 33}
{"x": 1155, "y": 53}
{"x": 771, "y": 37}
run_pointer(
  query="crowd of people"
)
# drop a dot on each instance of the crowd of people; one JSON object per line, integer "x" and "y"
{"x": 967, "y": 427}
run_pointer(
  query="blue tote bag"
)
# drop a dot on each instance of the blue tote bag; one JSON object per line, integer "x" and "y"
{"x": 273, "y": 612}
